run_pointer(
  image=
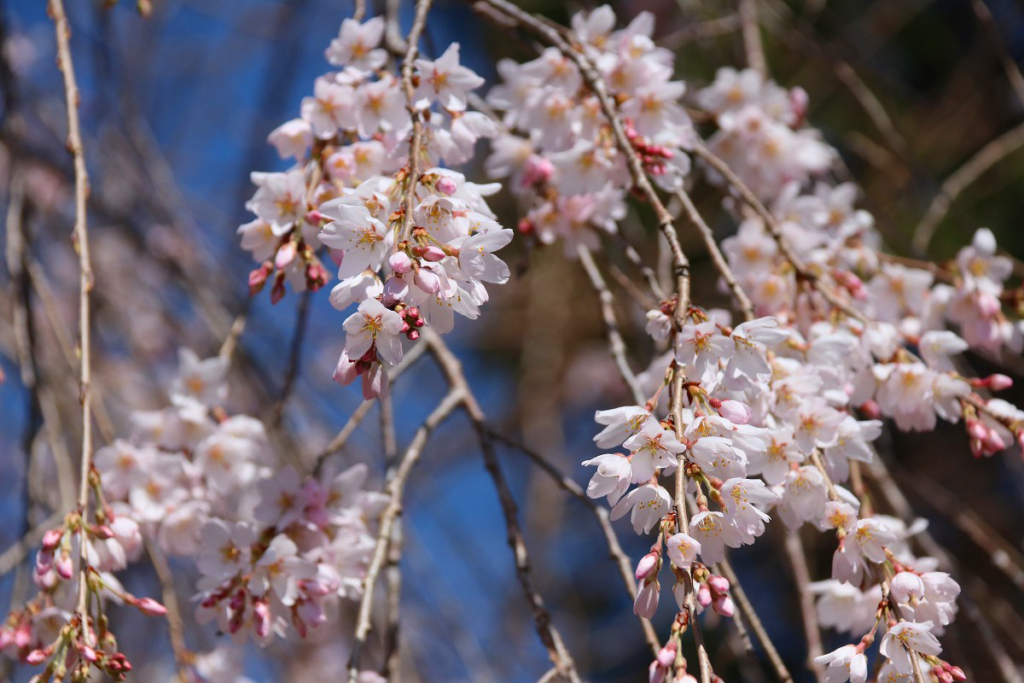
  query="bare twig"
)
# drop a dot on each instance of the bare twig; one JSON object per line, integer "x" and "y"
{"x": 752, "y": 37}
{"x": 995, "y": 38}
{"x": 549, "y": 635}
{"x": 394, "y": 490}
{"x": 987, "y": 157}
{"x": 71, "y": 96}
{"x": 802, "y": 577}
{"x": 616, "y": 345}
{"x": 622, "y": 563}
{"x": 750, "y": 616}
{"x": 742, "y": 300}
{"x": 294, "y": 358}
{"x": 183, "y": 657}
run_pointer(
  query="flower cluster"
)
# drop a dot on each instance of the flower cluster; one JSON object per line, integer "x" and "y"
{"x": 413, "y": 245}
{"x": 274, "y": 551}
{"x": 773, "y": 414}
{"x": 759, "y": 132}
{"x": 558, "y": 146}
{"x": 271, "y": 548}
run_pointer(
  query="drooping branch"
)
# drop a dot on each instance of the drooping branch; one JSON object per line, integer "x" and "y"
{"x": 394, "y": 489}
{"x": 71, "y": 96}
{"x": 549, "y": 635}
{"x": 616, "y": 345}
{"x": 622, "y": 563}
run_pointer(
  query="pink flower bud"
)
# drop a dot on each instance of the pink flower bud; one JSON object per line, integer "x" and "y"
{"x": 977, "y": 429}
{"x": 413, "y": 335}
{"x": 400, "y": 262}
{"x": 87, "y": 653}
{"x": 64, "y": 566}
{"x": 103, "y": 531}
{"x": 51, "y": 539}
{"x": 258, "y": 277}
{"x": 150, "y": 607}
{"x": 428, "y": 282}
{"x": 36, "y": 657}
{"x": 316, "y": 276}
{"x": 346, "y": 371}
{"x": 285, "y": 255}
{"x": 719, "y": 584}
{"x": 446, "y": 186}
{"x": 993, "y": 442}
{"x": 798, "y": 101}
{"x": 44, "y": 561}
{"x": 537, "y": 170}
{"x": 666, "y": 656}
{"x": 23, "y": 636}
{"x": 723, "y": 605}
{"x": 261, "y": 613}
{"x": 314, "y": 217}
{"x": 396, "y": 289}
{"x": 704, "y": 596}
{"x": 646, "y": 603}
{"x": 998, "y": 382}
{"x": 957, "y": 673}
{"x": 277, "y": 291}
{"x": 433, "y": 253}
{"x": 735, "y": 412}
{"x": 871, "y": 410}
{"x": 656, "y": 673}
{"x": 988, "y": 305}
{"x": 647, "y": 565}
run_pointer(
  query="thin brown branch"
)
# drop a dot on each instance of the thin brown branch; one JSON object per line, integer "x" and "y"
{"x": 750, "y": 616}
{"x": 391, "y": 661}
{"x": 183, "y": 657}
{"x": 751, "y": 30}
{"x": 987, "y": 157}
{"x": 71, "y": 96}
{"x": 802, "y": 578}
{"x": 294, "y": 359}
{"x": 995, "y": 38}
{"x": 616, "y": 345}
{"x": 227, "y": 348}
{"x": 549, "y": 635}
{"x": 622, "y": 562}
{"x": 394, "y": 490}
{"x": 742, "y": 300}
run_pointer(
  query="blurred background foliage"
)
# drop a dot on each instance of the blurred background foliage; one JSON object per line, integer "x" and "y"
{"x": 176, "y": 109}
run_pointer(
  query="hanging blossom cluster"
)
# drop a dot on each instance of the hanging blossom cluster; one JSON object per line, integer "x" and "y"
{"x": 413, "y": 241}
{"x": 275, "y": 551}
{"x": 901, "y": 365}
{"x": 558, "y": 146}
{"x": 776, "y": 411}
